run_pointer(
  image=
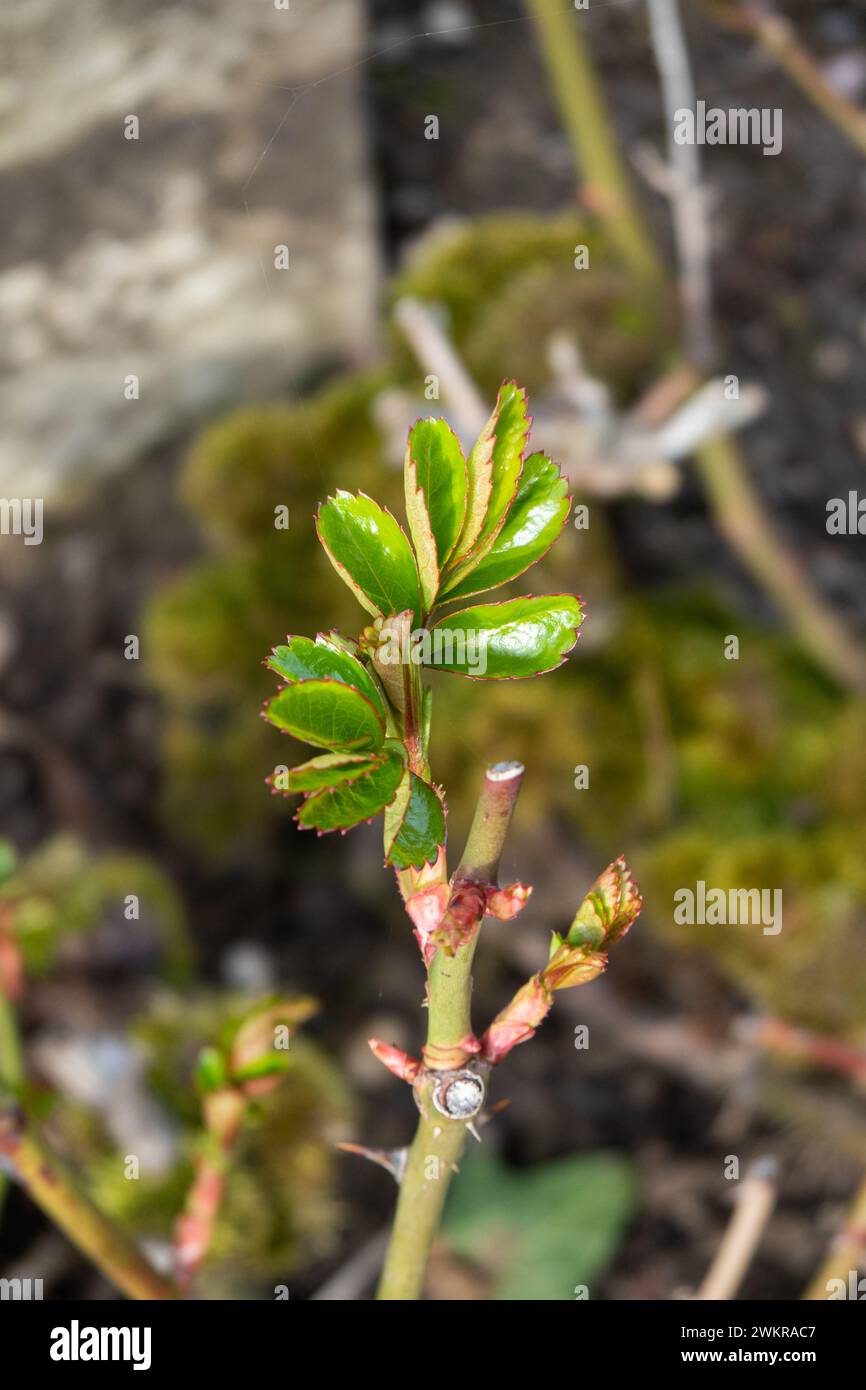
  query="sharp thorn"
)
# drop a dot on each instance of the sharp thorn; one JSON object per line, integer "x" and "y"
{"x": 393, "y": 1160}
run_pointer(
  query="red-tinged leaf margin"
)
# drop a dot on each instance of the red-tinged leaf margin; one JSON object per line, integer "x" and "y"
{"x": 405, "y": 798}
{"x": 369, "y": 762}
{"x": 344, "y": 829}
{"x": 449, "y": 597}
{"x": 464, "y": 561}
{"x": 343, "y": 648}
{"x": 366, "y": 603}
{"x": 446, "y": 617}
{"x": 326, "y": 748}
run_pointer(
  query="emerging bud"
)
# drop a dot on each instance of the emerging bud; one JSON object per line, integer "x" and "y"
{"x": 571, "y": 965}
{"x": 426, "y": 898}
{"x": 505, "y": 903}
{"x": 608, "y": 910}
{"x": 462, "y": 918}
{"x": 606, "y": 913}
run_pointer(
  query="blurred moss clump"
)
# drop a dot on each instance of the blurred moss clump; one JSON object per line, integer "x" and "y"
{"x": 279, "y": 1208}
{"x": 63, "y": 890}
{"x": 761, "y": 800}
{"x": 508, "y": 283}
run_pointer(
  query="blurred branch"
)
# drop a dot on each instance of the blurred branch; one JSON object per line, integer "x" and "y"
{"x": 737, "y": 508}
{"x": 54, "y": 1189}
{"x": 755, "y": 1199}
{"x": 349, "y": 1282}
{"x": 603, "y": 452}
{"x": 687, "y": 195}
{"x": 847, "y": 1255}
{"x": 606, "y": 189}
{"x": 11, "y": 985}
{"x": 777, "y": 36}
{"x": 777, "y": 1036}
{"x": 743, "y": 522}
{"x": 195, "y": 1226}
{"x": 433, "y": 349}
{"x": 11, "y": 1058}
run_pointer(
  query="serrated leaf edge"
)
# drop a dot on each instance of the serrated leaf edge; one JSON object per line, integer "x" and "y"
{"x": 320, "y": 680}
{"x": 366, "y": 603}
{"x": 457, "y": 598}
{"x": 449, "y": 617}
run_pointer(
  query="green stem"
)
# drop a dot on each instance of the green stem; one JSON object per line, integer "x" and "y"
{"x": 53, "y": 1188}
{"x": 439, "y": 1142}
{"x": 435, "y": 1152}
{"x": 450, "y": 1009}
{"x": 587, "y": 123}
{"x": 493, "y": 812}
{"x": 11, "y": 1054}
{"x": 11, "y": 1061}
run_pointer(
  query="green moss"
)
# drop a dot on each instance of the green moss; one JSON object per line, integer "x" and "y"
{"x": 508, "y": 283}
{"x": 63, "y": 889}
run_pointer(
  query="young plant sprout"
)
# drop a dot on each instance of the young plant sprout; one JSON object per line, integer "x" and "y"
{"x": 475, "y": 524}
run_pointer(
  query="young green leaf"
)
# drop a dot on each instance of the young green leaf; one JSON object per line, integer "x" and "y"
{"x": 414, "y": 824}
{"x": 328, "y": 714}
{"x": 271, "y": 1064}
{"x": 352, "y": 802}
{"x": 436, "y": 488}
{"x": 300, "y": 659}
{"x": 211, "y": 1071}
{"x": 512, "y": 640}
{"x": 533, "y": 523}
{"x": 494, "y": 470}
{"x": 327, "y": 770}
{"x": 371, "y": 553}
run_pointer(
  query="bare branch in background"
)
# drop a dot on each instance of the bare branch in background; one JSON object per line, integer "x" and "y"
{"x": 778, "y": 37}
{"x": 432, "y": 346}
{"x": 604, "y": 453}
{"x": 755, "y": 1199}
{"x": 687, "y": 195}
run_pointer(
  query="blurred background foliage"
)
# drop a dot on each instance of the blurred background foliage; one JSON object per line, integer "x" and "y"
{"x": 63, "y": 891}
{"x": 546, "y": 1234}
{"x": 280, "y": 1209}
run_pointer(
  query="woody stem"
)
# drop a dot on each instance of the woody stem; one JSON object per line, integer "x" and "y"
{"x": 439, "y": 1142}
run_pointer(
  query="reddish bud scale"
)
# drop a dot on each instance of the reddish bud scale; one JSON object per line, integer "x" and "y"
{"x": 505, "y": 903}
{"x": 452, "y": 1057}
{"x": 395, "y": 1059}
{"x": 518, "y": 1020}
